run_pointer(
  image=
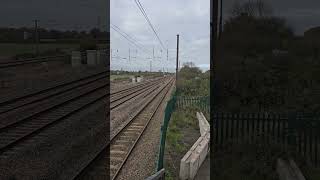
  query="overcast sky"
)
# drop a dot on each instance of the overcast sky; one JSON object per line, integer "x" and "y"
{"x": 57, "y": 14}
{"x": 188, "y": 18}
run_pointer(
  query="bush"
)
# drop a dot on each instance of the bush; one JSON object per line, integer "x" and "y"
{"x": 50, "y": 52}
{"x": 88, "y": 45}
{"x": 24, "y": 56}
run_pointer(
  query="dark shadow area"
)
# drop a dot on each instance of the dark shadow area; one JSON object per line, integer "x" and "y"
{"x": 54, "y": 86}
{"x": 265, "y": 89}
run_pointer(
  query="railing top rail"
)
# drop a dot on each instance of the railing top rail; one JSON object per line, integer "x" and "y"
{"x": 158, "y": 175}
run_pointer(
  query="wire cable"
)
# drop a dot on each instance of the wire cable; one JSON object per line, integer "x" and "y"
{"x": 129, "y": 39}
{"x": 129, "y": 36}
{"x": 148, "y": 20}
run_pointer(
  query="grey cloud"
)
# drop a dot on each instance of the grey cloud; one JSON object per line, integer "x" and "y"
{"x": 188, "y": 18}
{"x": 67, "y": 14}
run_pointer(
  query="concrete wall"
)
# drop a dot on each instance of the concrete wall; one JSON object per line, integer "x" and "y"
{"x": 102, "y": 58}
{"x": 76, "y": 58}
{"x": 91, "y": 57}
{"x": 193, "y": 159}
{"x": 133, "y": 79}
{"x": 288, "y": 170}
{"x": 139, "y": 79}
{"x": 203, "y": 123}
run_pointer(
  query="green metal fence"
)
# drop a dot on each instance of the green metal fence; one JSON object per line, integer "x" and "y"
{"x": 168, "y": 112}
{"x": 296, "y": 131}
{"x": 175, "y": 102}
{"x": 202, "y": 102}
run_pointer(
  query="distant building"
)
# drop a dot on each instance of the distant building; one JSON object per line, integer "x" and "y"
{"x": 48, "y": 40}
{"x": 312, "y": 33}
{"x": 278, "y": 52}
{"x": 25, "y": 35}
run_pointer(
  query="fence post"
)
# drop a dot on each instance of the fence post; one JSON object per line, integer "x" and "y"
{"x": 292, "y": 125}
{"x": 168, "y": 111}
{"x": 162, "y": 140}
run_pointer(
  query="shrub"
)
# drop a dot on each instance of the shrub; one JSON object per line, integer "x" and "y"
{"x": 88, "y": 45}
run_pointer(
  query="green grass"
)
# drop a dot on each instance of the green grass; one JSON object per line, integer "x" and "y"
{"x": 120, "y": 77}
{"x": 114, "y": 72}
{"x": 11, "y": 49}
{"x": 182, "y": 133}
{"x": 126, "y": 75}
{"x": 181, "y": 120}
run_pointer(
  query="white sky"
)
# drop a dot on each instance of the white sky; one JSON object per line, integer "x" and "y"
{"x": 54, "y": 14}
{"x": 188, "y": 18}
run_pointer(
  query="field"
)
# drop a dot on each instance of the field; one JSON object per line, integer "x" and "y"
{"x": 121, "y": 75}
{"x": 12, "y": 49}
{"x": 183, "y": 130}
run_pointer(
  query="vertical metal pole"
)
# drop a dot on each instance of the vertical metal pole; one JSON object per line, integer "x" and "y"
{"x": 36, "y": 36}
{"x": 153, "y": 53}
{"x": 213, "y": 50}
{"x": 167, "y": 55}
{"x": 220, "y": 23}
{"x": 129, "y": 54}
{"x": 150, "y": 66}
{"x": 177, "y": 61}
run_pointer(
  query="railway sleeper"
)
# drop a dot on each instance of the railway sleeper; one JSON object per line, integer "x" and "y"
{"x": 117, "y": 152}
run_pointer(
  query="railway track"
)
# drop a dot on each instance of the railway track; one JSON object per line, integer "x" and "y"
{"x": 124, "y": 141}
{"x": 17, "y": 102}
{"x": 31, "y": 61}
{"x": 25, "y": 100}
{"x": 21, "y": 123}
{"x": 116, "y": 101}
{"x": 23, "y": 118}
{"x": 26, "y": 126}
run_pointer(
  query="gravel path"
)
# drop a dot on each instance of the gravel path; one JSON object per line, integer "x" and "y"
{"x": 57, "y": 151}
{"x": 122, "y": 114}
{"x": 18, "y": 86}
{"x": 142, "y": 161}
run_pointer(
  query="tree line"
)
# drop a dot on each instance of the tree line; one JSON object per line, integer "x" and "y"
{"x": 262, "y": 65}
{"x": 25, "y": 35}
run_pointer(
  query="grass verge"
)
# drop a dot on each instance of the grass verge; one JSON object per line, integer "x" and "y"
{"x": 183, "y": 131}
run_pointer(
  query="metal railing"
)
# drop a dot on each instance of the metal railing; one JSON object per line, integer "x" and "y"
{"x": 160, "y": 175}
{"x": 176, "y": 101}
{"x": 297, "y": 132}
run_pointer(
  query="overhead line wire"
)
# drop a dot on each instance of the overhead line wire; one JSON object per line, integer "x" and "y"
{"x": 128, "y": 39}
{"x": 149, "y": 22}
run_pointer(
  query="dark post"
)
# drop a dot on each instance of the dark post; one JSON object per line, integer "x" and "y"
{"x": 220, "y": 23}
{"x": 167, "y": 55}
{"x": 36, "y": 36}
{"x": 177, "y": 61}
{"x": 150, "y": 66}
{"x": 213, "y": 51}
{"x": 153, "y": 53}
{"x": 129, "y": 54}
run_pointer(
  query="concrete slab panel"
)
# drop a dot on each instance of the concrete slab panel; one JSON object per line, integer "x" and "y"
{"x": 91, "y": 57}
{"x": 75, "y": 58}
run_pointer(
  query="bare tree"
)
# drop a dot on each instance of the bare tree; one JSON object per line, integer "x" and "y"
{"x": 254, "y": 8}
{"x": 189, "y": 64}
{"x": 236, "y": 9}
{"x": 263, "y": 8}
